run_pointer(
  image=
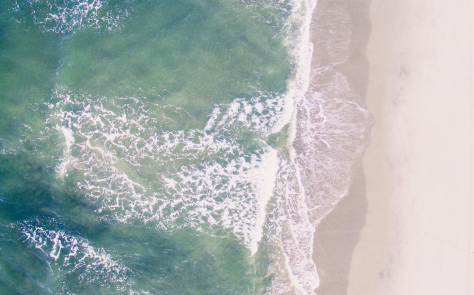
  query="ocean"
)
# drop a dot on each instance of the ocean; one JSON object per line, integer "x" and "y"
{"x": 166, "y": 147}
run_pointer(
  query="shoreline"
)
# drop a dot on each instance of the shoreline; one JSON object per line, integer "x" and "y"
{"x": 339, "y": 33}
{"x": 337, "y": 236}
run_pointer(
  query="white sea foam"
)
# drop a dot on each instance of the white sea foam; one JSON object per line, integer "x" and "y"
{"x": 74, "y": 255}
{"x": 69, "y": 140}
{"x": 194, "y": 178}
{"x": 61, "y": 16}
{"x": 290, "y": 229}
{"x": 263, "y": 178}
{"x": 291, "y": 224}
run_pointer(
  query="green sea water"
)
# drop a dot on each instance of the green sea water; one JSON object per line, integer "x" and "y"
{"x": 134, "y": 140}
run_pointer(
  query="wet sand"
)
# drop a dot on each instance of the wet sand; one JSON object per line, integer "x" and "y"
{"x": 336, "y": 238}
{"x": 339, "y": 32}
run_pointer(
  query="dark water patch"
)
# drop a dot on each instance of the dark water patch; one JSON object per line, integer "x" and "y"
{"x": 29, "y": 59}
{"x": 30, "y": 190}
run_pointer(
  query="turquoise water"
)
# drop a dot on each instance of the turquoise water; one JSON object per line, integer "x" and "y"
{"x": 136, "y": 146}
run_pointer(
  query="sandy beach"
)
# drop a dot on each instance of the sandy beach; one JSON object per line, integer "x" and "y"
{"x": 419, "y": 232}
{"x": 407, "y": 224}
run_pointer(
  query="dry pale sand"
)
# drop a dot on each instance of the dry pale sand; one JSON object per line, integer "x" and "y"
{"x": 419, "y": 233}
